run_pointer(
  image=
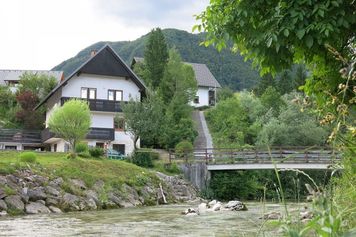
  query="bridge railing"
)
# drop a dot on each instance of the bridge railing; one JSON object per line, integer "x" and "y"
{"x": 277, "y": 154}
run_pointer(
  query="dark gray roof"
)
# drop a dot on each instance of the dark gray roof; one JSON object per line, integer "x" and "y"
{"x": 202, "y": 73}
{"x": 105, "y": 62}
{"x": 14, "y": 75}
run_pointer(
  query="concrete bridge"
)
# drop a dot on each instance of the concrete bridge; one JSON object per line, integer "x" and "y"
{"x": 199, "y": 163}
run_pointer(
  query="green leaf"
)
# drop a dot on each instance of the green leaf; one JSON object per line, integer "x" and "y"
{"x": 269, "y": 42}
{"x": 309, "y": 41}
{"x": 300, "y": 33}
{"x": 286, "y": 32}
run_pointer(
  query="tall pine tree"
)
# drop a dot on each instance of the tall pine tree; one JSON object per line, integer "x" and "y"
{"x": 156, "y": 57}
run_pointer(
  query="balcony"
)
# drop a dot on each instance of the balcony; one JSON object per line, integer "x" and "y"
{"x": 107, "y": 134}
{"x": 20, "y": 136}
{"x": 99, "y": 105}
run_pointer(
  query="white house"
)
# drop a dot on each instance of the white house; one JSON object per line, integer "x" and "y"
{"x": 12, "y": 78}
{"x": 106, "y": 82}
{"x": 207, "y": 84}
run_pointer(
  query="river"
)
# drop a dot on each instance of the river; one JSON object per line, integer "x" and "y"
{"x": 143, "y": 221}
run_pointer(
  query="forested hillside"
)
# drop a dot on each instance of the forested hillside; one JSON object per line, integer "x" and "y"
{"x": 228, "y": 68}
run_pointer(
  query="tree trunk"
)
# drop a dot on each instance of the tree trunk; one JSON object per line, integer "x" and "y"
{"x": 135, "y": 141}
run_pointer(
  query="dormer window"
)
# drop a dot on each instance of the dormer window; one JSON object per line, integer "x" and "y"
{"x": 88, "y": 93}
{"x": 115, "y": 95}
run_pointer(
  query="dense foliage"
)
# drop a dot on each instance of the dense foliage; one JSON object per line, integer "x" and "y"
{"x": 17, "y": 105}
{"x": 271, "y": 120}
{"x": 163, "y": 118}
{"x": 71, "y": 121}
{"x": 229, "y": 68}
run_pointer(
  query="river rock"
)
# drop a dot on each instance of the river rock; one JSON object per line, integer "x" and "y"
{"x": 54, "y": 209}
{"x": 36, "y": 208}
{"x": 12, "y": 182}
{"x": 77, "y": 183}
{"x": 42, "y": 202}
{"x": 3, "y": 180}
{"x": 70, "y": 202}
{"x": 3, "y": 205}
{"x": 236, "y": 206}
{"x": 36, "y": 194}
{"x": 3, "y": 213}
{"x": 14, "y": 202}
{"x": 119, "y": 201}
{"x": 192, "y": 214}
{"x": 217, "y": 206}
{"x": 202, "y": 208}
{"x": 189, "y": 211}
{"x": 271, "y": 216}
{"x": 212, "y": 203}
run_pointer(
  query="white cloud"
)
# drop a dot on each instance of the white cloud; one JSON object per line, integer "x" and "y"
{"x": 40, "y": 34}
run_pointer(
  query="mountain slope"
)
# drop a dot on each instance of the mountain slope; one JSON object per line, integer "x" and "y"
{"x": 228, "y": 68}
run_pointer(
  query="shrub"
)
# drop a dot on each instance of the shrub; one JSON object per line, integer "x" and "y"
{"x": 84, "y": 154}
{"x": 81, "y": 147}
{"x": 96, "y": 152}
{"x": 144, "y": 157}
{"x": 28, "y": 157}
{"x": 184, "y": 148}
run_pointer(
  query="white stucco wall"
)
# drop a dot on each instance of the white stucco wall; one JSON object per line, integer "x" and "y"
{"x": 203, "y": 93}
{"x": 102, "y": 120}
{"x": 126, "y": 139}
{"x": 52, "y": 103}
{"x": 102, "y": 85}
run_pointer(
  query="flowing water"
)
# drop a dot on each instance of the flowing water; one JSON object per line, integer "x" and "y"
{"x": 143, "y": 221}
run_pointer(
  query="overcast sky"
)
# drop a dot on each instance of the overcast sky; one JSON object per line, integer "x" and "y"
{"x": 39, "y": 34}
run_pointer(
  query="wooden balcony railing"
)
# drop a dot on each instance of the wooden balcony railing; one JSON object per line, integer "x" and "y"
{"x": 100, "y": 105}
{"x": 20, "y": 136}
{"x": 107, "y": 134}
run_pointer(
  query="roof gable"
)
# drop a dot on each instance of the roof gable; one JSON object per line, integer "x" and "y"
{"x": 105, "y": 62}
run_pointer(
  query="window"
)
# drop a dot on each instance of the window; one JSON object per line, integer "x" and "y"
{"x": 115, "y": 95}
{"x": 196, "y": 100}
{"x": 88, "y": 93}
{"x": 119, "y": 148}
{"x": 119, "y": 123}
{"x": 10, "y": 147}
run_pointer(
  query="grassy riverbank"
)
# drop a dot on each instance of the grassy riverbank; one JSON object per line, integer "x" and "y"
{"x": 53, "y": 165}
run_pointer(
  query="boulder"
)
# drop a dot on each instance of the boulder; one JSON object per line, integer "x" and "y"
{"x": 3, "y": 213}
{"x": 14, "y": 202}
{"x": 56, "y": 182}
{"x": 77, "y": 183}
{"x": 52, "y": 201}
{"x": 54, "y": 209}
{"x": 90, "y": 204}
{"x": 36, "y": 208}
{"x": 131, "y": 195}
{"x": 217, "y": 206}
{"x": 109, "y": 204}
{"x": 3, "y": 205}
{"x": 236, "y": 206}
{"x": 36, "y": 194}
{"x": 93, "y": 195}
{"x": 212, "y": 203}
{"x": 3, "y": 180}
{"x": 202, "y": 208}
{"x": 41, "y": 201}
{"x": 52, "y": 191}
{"x": 70, "y": 202}
{"x": 192, "y": 214}
{"x": 2, "y": 193}
{"x": 118, "y": 200}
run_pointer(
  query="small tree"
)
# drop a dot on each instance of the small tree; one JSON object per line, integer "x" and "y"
{"x": 71, "y": 121}
{"x": 144, "y": 119}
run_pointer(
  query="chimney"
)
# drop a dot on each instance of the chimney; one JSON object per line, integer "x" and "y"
{"x": 92, "y": 53}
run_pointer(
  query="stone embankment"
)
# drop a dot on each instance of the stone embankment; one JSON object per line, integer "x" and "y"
{"x": 27, "y": 193}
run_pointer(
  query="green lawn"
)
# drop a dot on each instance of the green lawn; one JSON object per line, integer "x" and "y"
{"x": 112, "y": 172}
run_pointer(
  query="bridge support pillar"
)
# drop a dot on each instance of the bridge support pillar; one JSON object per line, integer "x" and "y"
{"x": 197, "y": 174}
